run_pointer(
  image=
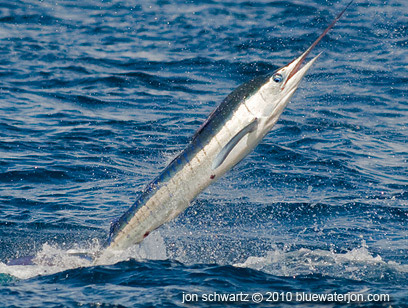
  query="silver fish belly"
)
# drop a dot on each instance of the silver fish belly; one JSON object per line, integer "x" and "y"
{"x": 193, "y": 169}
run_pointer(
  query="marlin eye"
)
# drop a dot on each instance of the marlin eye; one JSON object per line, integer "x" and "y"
{"x": 277, "y": 77}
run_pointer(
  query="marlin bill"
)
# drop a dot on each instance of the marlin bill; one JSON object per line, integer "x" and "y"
{"x": 229, "y": 134}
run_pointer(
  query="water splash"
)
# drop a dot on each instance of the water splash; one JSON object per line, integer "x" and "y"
{"x": 358, "y": 264}
{"x": 53, "y": 259}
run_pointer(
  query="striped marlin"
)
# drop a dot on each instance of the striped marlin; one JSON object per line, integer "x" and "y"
{"x": 229, "y": 134}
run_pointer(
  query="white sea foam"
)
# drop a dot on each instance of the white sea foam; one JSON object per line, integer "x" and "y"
{"x": 52, "y": 259}
{"x": 358, "y": 263}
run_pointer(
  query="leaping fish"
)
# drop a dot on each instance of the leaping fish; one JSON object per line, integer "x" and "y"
{"x": 229, "y": 134}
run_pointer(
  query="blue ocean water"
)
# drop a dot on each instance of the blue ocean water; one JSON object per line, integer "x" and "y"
{"x": 96, "y": 97}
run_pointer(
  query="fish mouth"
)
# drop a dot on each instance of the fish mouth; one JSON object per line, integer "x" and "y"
{"x": 295, "y": 73}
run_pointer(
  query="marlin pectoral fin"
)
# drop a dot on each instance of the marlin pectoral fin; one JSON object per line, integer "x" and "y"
{"x": 222, "y": 155}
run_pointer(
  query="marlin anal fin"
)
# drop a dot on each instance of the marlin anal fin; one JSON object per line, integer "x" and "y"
{"x": 223, "y": 154}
